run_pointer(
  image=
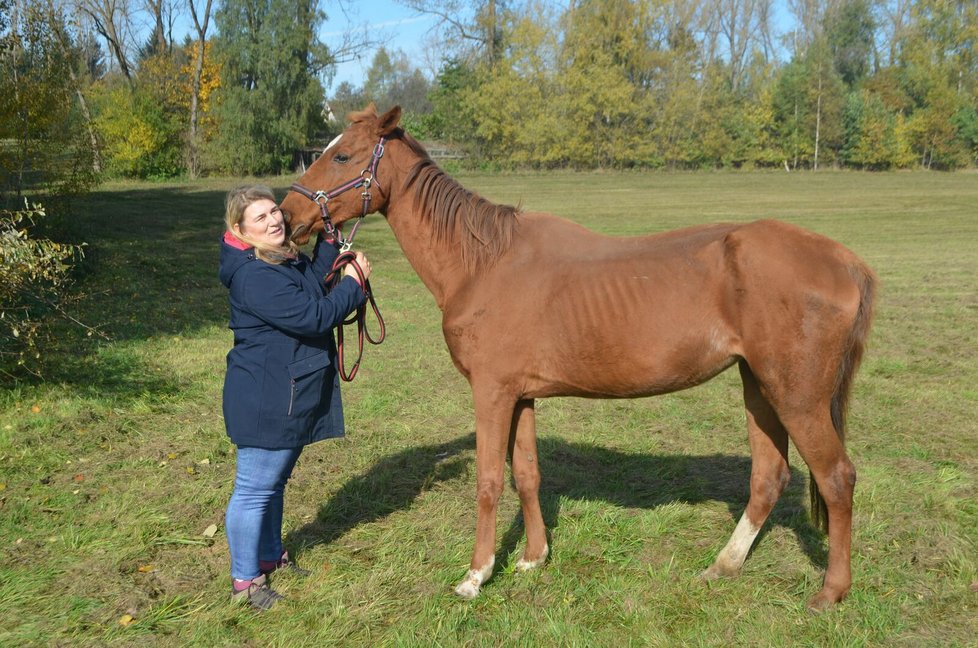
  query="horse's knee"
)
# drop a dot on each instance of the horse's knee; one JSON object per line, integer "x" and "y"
{"x": 527, "y": 480}
{"x": 488, "y": 491}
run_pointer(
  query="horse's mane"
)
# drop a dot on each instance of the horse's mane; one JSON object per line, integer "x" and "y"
{"x": 483, "y": 230}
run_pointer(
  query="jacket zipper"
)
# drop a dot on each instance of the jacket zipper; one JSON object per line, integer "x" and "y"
{"x": 291, "y": 397}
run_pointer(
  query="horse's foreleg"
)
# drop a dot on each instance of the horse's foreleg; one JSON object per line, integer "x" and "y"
{"x": 769, "y": 476}
{"x": 526, "y": 472}
{"x": 494, "y": 416}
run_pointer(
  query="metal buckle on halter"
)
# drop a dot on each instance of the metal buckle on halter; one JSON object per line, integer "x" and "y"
{"x": 379, "y": 150}
{"x": 320, "y": 197}
{"x": 345, "y": 246}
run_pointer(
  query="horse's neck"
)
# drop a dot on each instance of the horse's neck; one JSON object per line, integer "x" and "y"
{"x": 438, "y": 263}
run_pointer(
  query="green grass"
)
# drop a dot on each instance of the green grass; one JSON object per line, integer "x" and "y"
{"x": 112, "y": 467}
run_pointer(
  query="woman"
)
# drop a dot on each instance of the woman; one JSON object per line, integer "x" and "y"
{"x": 281, "y": 391}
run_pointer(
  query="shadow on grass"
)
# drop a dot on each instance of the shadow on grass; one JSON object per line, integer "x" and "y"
{"x": 569, "y": 471}
{"x": 149, "y": 270}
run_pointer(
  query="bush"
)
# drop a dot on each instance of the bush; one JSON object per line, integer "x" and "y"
{"x": 140, "y": 139}
{"x": 33, "y": 276}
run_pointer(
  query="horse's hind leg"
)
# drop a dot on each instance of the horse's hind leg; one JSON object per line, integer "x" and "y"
{"x": 820, "y": 446}
{"x": 769, "y": 476}
{"x": 526, "y": 473}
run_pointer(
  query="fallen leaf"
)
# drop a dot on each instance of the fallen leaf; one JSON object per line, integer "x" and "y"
{"x": 35, "y": 408}
{"x": 125, "y": 620}
{"x": 3, "y": 486}
{"x": 190, "y": 470}
{"x": 171, "y": 455}
{"x": 210, "y": 531}
{"x": 204, "y": 462}
{"x": 79, "y": 477}
{"x": 145, "y": 569}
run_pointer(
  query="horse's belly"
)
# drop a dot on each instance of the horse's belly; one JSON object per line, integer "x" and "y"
{"x": 638, "y": 357}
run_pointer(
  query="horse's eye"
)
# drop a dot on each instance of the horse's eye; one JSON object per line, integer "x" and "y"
{"x": 341, "y": 158}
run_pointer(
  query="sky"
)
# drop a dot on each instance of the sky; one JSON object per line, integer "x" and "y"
{"x": 401, "y": 29}
{"x": 397, "y": 27}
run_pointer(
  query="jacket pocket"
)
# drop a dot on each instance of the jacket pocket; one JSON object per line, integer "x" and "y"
{"x": 305, "y": 382}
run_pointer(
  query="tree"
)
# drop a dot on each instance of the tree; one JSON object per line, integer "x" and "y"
{"x": 392, "y": 80}
{"x": 201, "y": 21}
{"x": 743, "y": 24}
{"x": 807, "y": 105}
{"x": 476, "y": 36}
{"x": 452, "y": 118}
{"x": 63, "y": 40}
{"x": 270, "y": 98}
{"x": 871, "y": 139}
{"x": 163, "y": 15}
{"x": 849, "y": 31}
{"x": 112, "y": 21}
{"x": 44, "y": 135}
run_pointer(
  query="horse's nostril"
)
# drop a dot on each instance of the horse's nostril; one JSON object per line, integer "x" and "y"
{"x": 298, "y": 231}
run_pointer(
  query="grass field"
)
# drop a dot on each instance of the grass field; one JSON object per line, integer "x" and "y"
{"x": 112, "y": 468}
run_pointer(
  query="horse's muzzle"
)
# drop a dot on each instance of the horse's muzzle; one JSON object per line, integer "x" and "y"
{"x": 300, "y": 234}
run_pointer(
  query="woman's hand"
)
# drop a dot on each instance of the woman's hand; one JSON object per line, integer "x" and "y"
{"x": 360, "y": 260}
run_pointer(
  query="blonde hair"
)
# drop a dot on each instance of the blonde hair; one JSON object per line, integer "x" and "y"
{"x": 237, "y": 201}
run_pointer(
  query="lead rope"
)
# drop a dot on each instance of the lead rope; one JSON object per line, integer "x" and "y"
{"x": 359, "y": 316}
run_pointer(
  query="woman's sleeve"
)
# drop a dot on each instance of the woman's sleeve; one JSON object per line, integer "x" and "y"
{"x": 279, "y": 300}
{"x": 323, "y": 256}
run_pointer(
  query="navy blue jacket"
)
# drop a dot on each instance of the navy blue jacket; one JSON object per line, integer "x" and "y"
{"x": 281, "y": 389}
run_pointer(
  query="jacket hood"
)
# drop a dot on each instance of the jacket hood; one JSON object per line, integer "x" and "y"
{"x": 232, "y": 258}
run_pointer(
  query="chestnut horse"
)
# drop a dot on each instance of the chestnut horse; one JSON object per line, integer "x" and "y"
{"x": 534, "y": 306}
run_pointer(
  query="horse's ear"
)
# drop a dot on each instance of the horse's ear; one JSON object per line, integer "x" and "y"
{"x": 388, "y": 121}
{"x": 369, "y": 112}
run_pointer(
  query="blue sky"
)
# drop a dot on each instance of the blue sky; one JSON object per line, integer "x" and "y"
{"x": 399, "y": 28}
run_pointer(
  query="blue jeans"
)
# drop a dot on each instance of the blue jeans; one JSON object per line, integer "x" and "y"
{"x": 253, "y": 522}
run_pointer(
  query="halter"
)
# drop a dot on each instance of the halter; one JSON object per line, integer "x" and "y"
{"x": 365, "y": 179}
{"x": 346, "y": 257}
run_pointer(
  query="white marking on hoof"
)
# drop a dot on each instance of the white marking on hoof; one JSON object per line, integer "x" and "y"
{"x": 526, "y": 565}
{"x": 469, "y": 588}
{"x": 733, "y": 555}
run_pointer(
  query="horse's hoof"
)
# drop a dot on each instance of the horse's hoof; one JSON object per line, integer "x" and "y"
{"x": 820, "y": 603}
{"x": 467, "y": 589}
{"x": 715, "y": 573}
{"x": 524, "y": 565}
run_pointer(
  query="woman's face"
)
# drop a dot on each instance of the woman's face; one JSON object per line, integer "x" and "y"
{"x": 263, "y": 221}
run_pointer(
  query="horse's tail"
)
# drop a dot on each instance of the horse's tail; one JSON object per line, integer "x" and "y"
{"x": 851, "y": 356}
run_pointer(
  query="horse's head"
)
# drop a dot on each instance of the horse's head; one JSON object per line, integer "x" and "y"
{"x": 334, "y": 177}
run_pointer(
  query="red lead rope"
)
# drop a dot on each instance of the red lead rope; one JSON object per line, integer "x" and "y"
{"x": 359, "y": 315}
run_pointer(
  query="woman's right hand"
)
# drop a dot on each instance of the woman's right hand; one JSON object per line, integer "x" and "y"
{"x": 361, "y": 260}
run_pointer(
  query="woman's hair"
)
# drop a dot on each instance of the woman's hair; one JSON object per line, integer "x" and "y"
{"x": 237, "y": 201}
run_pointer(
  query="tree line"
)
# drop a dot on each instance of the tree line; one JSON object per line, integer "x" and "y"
{"x": 869, "y": 84}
